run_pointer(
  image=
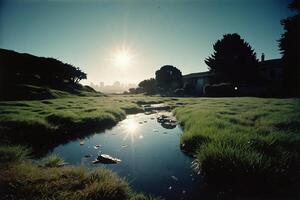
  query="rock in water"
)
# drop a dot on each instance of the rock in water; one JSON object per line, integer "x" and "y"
{"x": 62, "y": 164}
{"x": 167, "y": 120}
{"x": 106, "y": 159}
{"x": 168, "y": 125}
{"x": 174, "y": 178}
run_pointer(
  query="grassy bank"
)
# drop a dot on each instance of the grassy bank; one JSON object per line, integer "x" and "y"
{"x": 46, "y": 123}
{"x": 33, "y": 92}
{"x": 243, "y": 141}
{"x": 22, "y": 178}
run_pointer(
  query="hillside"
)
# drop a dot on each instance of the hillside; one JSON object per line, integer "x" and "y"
{"x": 25, "y": 76}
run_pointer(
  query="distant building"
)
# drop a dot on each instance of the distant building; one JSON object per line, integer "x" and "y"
{"x": 198, "y": 81}
{"x": 270, "y": 75}
{"x": 271, "y": 70}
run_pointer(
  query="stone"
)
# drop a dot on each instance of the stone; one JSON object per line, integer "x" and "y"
{"x": 62, "y": 164}
{"x": 106, "y": 159}
{"x": 167, "y": 120}
{"x": 174, "y": 178}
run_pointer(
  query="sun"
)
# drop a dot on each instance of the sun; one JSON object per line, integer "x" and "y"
{"x": 122, "y": 58}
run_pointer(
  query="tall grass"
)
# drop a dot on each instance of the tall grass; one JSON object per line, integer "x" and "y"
{"x": 243, "y": 141}
{"x": 13, "y": 154}
{"x": 52, "y": 161}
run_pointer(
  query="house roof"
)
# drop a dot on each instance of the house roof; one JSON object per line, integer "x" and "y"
{"x": 273, "y": 63}
{"x": 198, "y": 75}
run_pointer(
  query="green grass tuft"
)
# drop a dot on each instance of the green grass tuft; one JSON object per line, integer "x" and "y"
{"x": 52, "y": 161}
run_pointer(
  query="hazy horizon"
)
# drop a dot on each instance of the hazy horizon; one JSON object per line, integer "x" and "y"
{"x": 153, "y": 33}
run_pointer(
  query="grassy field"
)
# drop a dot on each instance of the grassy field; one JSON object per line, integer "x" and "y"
{"x": 243, "y": 141}
{"x": 22, "y": 178}
{"x": 246, "y": 142}
{"x": 46, "y": 123}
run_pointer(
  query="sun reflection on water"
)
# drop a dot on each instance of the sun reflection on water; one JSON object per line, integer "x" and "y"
{"x": 131, "y": 128}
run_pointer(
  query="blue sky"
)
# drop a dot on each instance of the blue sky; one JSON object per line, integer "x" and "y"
{"x": 88, "y": 33}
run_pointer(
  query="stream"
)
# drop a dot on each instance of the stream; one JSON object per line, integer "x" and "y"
{"x": 151, "y": 159}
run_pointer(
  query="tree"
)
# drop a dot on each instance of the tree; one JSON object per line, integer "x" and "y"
{"x": 20, "y": 68}
{"x": 137, "y": 90}
{"x": 233, "y": 61}
{"x": 148, "y": 86}
{"x": 289, "y": 45}
{"x": 168, "y": 78}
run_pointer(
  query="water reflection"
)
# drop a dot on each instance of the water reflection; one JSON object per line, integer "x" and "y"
{"x": 151, "y": 158}
{"x": 131, "y": 128}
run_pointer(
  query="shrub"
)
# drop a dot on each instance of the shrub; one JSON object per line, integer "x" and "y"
{"x": 179, "y": 92}
{"x": 219, "y": 90}
{"x": 12, "y": 154}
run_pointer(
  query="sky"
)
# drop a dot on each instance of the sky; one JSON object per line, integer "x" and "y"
{"x": 91, "y": 34}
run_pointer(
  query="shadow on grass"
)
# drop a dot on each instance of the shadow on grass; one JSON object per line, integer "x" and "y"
{"x": 42, "y": 139}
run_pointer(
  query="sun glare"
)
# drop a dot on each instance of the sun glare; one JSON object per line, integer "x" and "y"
{"x": 131, "y": 130}
{"x": 122, "y": 58}
{"x": 131, "y": 126}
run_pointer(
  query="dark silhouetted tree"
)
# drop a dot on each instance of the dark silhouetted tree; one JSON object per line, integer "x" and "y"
{"x": 132, "y": 90}
{"x": 137, "y": 90}
{"x": 17, "y": 68}
{"x": 148, "y": 86}
{"x": 233, "y": 61}
{"x": 168, "y": 78}
{"x": 289, "y": 44}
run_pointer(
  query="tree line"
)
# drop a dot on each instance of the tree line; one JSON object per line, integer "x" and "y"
{"x": 17, "y": 68}
{"x": 234, "y": 63}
